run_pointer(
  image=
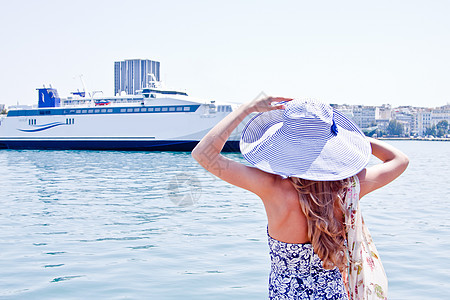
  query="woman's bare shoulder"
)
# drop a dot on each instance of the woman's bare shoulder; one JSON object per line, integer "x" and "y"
{"x": 283, "y": 198}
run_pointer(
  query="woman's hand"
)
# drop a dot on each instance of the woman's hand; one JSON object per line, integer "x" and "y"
{"x": 267, "y": 104}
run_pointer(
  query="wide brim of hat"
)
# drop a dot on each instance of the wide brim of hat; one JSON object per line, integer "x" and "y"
{"x": 266, "y": 146}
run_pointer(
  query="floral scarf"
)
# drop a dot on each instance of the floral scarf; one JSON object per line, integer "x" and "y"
{"x": 366, "y": 276}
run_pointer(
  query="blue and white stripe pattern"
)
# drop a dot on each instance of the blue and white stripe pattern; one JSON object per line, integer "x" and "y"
{"x": 43, "y": 127}
{"x": 308, "y": 140}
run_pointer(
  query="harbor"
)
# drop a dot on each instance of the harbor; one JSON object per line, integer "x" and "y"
{"x": 101, "y": 104}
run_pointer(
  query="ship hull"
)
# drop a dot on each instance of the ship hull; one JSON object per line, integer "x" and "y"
{"x": 116, "y": 145}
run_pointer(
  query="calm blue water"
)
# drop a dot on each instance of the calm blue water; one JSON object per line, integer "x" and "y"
{"x": 143, "y": 225}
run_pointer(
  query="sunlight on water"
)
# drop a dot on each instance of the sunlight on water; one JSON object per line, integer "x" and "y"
{"x": 149, "y": 225}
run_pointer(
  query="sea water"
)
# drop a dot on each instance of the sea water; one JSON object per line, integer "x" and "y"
{"x": 155, "y": 225}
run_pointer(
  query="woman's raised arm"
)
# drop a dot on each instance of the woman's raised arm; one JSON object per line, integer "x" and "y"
{"x": 394, "y": 163}
{"x": 207, "y": 151}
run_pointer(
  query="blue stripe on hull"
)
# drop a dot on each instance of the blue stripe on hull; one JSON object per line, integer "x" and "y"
{"x": 230, "y": 146}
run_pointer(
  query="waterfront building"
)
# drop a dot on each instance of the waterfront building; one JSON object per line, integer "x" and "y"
{"x": 364, "y": 116}
{"x": 405, "y": 115}
{"x": 422, "y": 121}
{"x": 132, "y": 75}
{"x": 440, "y": 114}
{"x": 383, "y": 112}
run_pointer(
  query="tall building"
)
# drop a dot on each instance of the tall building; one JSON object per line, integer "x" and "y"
{"x": 364, "y": 116}
{"x": 131, "y": 75}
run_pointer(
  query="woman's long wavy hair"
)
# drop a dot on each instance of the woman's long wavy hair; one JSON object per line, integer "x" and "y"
{"x": 322, "y": 203}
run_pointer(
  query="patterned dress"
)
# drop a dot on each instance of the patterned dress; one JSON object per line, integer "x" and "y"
{"x": 297, "y": 272}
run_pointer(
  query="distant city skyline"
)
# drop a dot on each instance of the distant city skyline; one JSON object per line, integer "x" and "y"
{"x": 351, "y": 52}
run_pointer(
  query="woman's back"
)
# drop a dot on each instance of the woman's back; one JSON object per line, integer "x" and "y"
{"x": 286, "y": 220}
{"x": 297, "y": 271}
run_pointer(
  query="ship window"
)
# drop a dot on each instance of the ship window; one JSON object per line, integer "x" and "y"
{"x": 136, "y": 110}
{"x": 123, "y": 110}
{"x": 90, "y": 111}
{"x": 84, "y": 111}
{"x": 97, "y": 111}
{"x": 179, "y": 108}
{"x": 78, "y": 111}
{"x": 110, "y": 110}
{"x": 186, "y": 108}
{"x": 157, "y": 108}
{"x": 171, "y": 108}
{"x": 164, "y": 109}
{"x": 143, "y": 109}
{"x": 103, "y": 110}
{"x": 129, "y": 109}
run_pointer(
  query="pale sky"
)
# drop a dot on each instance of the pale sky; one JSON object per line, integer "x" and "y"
{"x": 354, "y": 52}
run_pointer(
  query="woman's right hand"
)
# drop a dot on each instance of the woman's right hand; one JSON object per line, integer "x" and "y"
{"x": 267, "y": 104}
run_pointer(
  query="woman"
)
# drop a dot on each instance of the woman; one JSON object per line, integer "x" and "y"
{"x": 309, "y": 170}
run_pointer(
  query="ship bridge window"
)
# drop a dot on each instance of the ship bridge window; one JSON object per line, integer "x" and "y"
{"x": 103, "y": 110}
{"x": 110, "y": 110}
{"x": 164, "y": 109}
{"x": 90, "y": 111}
{"x": 157, "y": 108}
{"x": 186, "y": 108}
{"x": 78, "y": 111}
{"x": 129, "y": 109}
{"x": 179, "y": 108}
{"x": 150, "y": 109}
{"x": 136, "y": 110}
{"x": 84, "y": 111}
{"x": 96, "y": 111}
{"x": 123, "y": 110}
{"x": 171, "y": 108}
{"x": 223, "y": 108}
{"x": 143, "y": 109}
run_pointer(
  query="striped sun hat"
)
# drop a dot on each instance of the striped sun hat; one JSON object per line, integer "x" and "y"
{"x": 308, "y": 139}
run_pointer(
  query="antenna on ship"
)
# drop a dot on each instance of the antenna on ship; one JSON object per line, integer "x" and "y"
{"x": 82, "y": 83}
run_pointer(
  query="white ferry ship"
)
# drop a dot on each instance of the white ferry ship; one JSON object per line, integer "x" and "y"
{"x": 155, "y": 120}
